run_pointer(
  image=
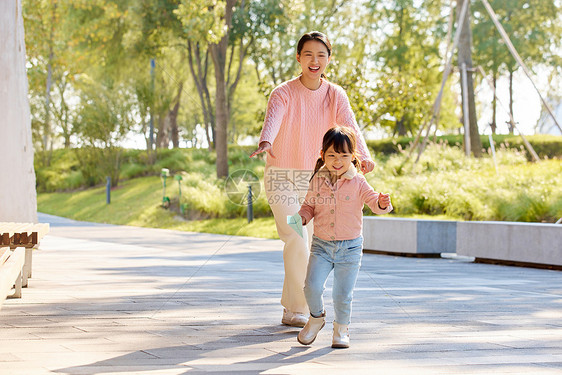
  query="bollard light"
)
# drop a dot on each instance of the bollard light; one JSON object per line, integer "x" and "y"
{"x": 108, "y": 190}
{"x": 250, "y": 205}
{"x": 165, "y": 173}
{"x": 179, "y": 178}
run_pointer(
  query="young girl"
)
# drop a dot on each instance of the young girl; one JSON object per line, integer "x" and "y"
{"x": 335, "y": 200}
{"x": 299, "y": 112}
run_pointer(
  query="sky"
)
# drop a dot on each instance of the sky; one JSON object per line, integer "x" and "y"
{"x": 526, "y": 108}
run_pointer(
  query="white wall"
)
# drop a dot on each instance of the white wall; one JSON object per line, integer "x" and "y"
{"x": 18, "y": 198}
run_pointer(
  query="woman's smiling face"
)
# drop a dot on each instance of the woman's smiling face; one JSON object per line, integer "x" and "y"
{"x": 313, "y": 58}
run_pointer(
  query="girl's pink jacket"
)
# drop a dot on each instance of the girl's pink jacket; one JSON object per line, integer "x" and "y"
{"x": 338, "y": 209}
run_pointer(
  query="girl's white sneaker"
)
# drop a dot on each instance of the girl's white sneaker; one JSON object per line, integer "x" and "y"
{"x": 308, "y": 334}
{"x": 341, "y": 336}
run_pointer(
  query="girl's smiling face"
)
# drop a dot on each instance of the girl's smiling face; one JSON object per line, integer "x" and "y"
{"x": 337, "y": 163}
{"x": 313, "y": 58}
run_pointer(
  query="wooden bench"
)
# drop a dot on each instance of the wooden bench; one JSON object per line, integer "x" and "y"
{"x": 11, "y": 272}
{"x": 26, "y": 235}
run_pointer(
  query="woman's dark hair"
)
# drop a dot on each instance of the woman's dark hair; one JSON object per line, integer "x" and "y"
{"x": 314, "y": 35}
{"x": 342, "y": 140}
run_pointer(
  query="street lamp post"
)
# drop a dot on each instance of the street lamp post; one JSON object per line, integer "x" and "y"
{"x": 151, "y": 134}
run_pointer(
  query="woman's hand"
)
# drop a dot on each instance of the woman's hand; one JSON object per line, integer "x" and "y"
{"x": 367, "y": 166}
{"x": 264, "y": 146}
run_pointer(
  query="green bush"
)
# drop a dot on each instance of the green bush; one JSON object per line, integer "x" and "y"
{"x": 174, "y": 160}
{"x": 546, "y": 146}
{"x": 132, "y": 170}
{"x": 442, "y": 183}
{"x": 62, "y": 172}
{"x": 205, "y": 197}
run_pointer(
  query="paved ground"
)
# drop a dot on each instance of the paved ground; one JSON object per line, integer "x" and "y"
{"x": 122, "y": 300}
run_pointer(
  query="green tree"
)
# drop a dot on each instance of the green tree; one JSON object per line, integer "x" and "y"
{"x": 350, "y": 26}
{"x": 409, "y": 65}
{"x": 534, "y": 29}
{"x": 51, "y": 69}
{"x": 228, "y": 29}
{"x": 104, "y": 119}
{"x": 120, "y": 40}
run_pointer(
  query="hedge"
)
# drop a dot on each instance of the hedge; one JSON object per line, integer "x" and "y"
{"x": 546, "y": 146}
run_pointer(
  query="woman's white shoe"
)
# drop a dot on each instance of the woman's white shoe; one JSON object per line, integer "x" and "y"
{"x": 341, "y": 336}
{"x": 308, "y": 334}
{"x": 293, "y": 319}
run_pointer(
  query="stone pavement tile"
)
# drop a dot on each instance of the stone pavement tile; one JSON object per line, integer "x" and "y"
{"x": 9, "y": 357}
{"x": 444, "y": 348}
{"x": 113, "y": 369}
{"x": 557, "y": 365}
{"x": 512, "y": 369}
{"x": 19, "y": 347}
{"x": 108, "y": 359}
{"x": 378, "y": 366}
{"x": 257, "y": 368}
{"x": 27, "y": 369}
{"x": 508, "y": 357}
{"x": 138, "y": 301}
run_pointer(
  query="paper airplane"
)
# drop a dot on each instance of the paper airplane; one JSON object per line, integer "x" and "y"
{"x": 295, "y": 222}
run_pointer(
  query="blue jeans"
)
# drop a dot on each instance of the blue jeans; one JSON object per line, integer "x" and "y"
{"x": 344, "y": 257}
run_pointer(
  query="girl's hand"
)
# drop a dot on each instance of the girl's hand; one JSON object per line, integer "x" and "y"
{"x": 384, "y": 201}
{"x": 264, "y": 146}
{"x": 367, "y": 166}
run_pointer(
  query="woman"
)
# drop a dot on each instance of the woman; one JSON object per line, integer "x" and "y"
{"x": 299, "y": 112}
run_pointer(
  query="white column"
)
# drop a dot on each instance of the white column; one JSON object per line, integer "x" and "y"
{"x": 18, "y": 198}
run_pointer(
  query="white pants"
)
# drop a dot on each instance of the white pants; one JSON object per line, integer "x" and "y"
{"x": 286, "y": 189}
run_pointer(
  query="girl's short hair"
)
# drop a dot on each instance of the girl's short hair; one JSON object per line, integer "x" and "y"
{"x": 341, "y": 139}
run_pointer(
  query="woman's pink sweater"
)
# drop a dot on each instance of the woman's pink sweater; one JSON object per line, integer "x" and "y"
{"x": 297, "y": 119}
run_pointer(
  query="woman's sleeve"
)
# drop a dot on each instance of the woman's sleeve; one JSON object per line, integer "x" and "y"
{"x": 276, "y": 108}
{"x": 345, "y": 117}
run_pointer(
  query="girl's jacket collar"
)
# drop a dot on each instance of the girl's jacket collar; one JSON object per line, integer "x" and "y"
{"x": 351, "y": 172}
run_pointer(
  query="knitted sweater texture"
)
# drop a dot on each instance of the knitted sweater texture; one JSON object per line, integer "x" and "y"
{"x": 297, "y": 119}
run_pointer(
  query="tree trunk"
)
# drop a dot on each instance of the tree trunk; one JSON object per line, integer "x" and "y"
{"x": 219, "y": 59}
{"x": 493, "y": 124}
{"x": 174, "y": 133}
{"x": 62, "y": 114}
{"x": 231, "y": 87}
{"x": 162, "y": 137}
{"x": 18, "y": 198}
{"x": 511, "y": 125}
{"x": 399, "y": 128}
{"x": 465, "y": 56}
{"x": 47, "y": 130}
{"x": 47, "y": 122}
{"x": 218, "y": 53}
{"x": 200, "y": 78}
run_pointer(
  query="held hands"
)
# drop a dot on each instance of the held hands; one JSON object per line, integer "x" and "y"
{"x": 264, "y": 146}
{"x": 384, "y": 201}
{"x": 367, "y": 166}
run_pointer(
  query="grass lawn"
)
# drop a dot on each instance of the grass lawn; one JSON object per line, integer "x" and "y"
{"x": 443, "y": 185}
{"x": 137, "y": 202}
